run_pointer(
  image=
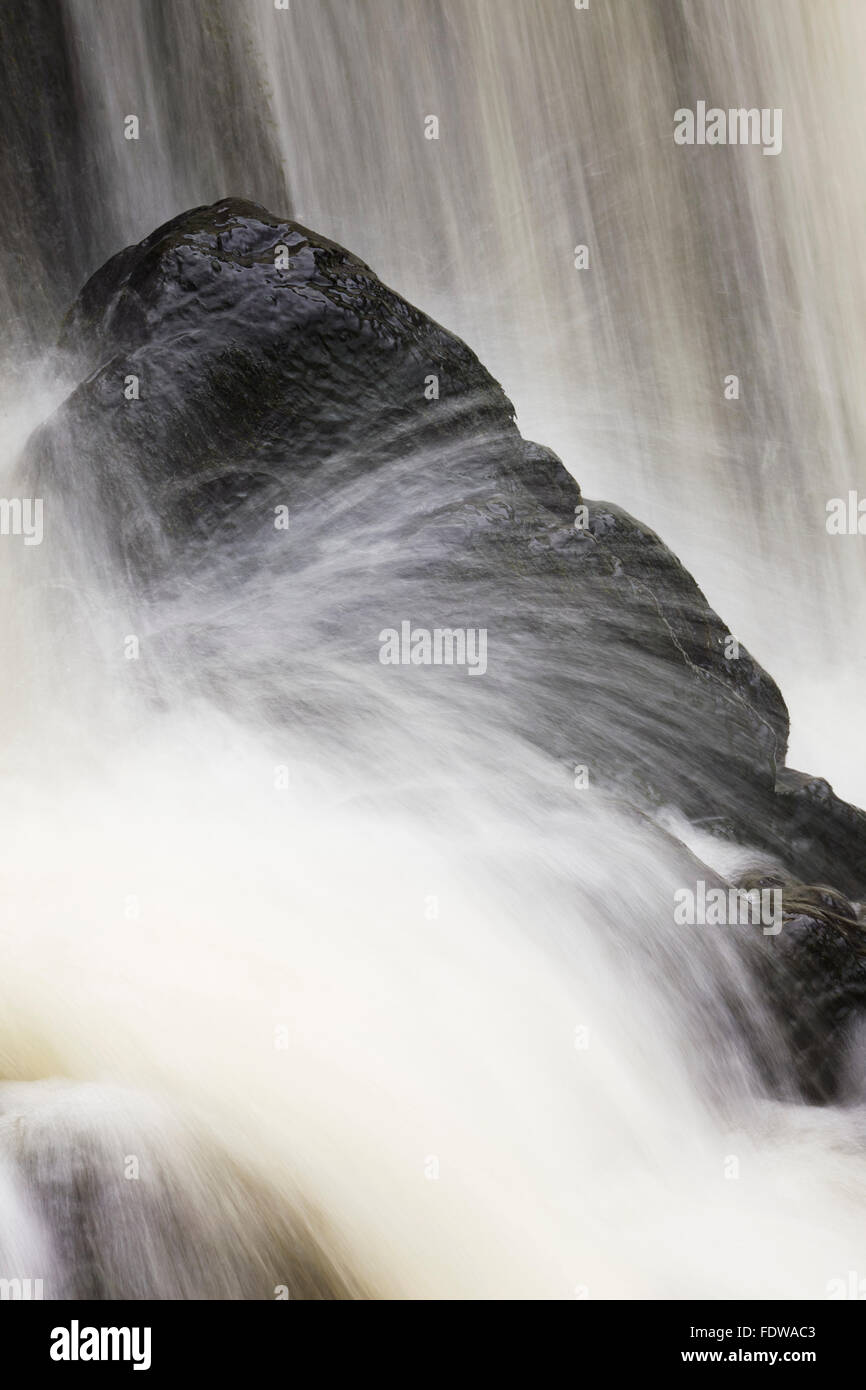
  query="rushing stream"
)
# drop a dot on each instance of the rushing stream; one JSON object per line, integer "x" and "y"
{"x": 292, "y": 1002}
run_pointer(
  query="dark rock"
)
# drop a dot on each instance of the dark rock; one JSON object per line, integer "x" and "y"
{"x": 196, "y": 1226}
{"x": 816, "y": 974}
{"x": 305, "y": 386}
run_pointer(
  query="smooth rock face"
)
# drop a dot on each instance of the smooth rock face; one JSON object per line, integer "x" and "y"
{"x": 275, "y": 369}
{"x": 175, "y": 1218}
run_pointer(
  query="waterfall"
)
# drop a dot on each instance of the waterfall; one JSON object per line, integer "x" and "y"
{"x": 212, "y": 983}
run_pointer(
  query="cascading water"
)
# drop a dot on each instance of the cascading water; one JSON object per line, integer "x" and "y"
{"x": 384, "y": 1014}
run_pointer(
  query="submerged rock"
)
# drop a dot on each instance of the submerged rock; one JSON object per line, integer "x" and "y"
{"x": 175, "y": 1218}
{"x": 272, "y": 367}
{"x": 239, "y": 368}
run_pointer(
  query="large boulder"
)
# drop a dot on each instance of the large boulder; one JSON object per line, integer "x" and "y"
{"x": 235, "y": 364}
{"x": 273, "y": 368}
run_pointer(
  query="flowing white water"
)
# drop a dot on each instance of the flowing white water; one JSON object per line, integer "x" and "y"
{"x": 556, "y": 130}
{"x": 448, "y": 1021}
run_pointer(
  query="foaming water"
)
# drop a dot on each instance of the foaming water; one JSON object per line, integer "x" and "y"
{"x": 704, "y": 262}
{"x": 485, "y": 1099}
{"x": 410, "y": 1021}
{"x": 556, "y": 129}
{"x": 393, "y": 1015}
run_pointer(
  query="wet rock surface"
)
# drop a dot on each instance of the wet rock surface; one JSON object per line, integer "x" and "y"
{"x": 272, "y": 368}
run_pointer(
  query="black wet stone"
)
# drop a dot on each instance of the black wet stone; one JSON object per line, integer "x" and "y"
{"x": 305, "y": 385}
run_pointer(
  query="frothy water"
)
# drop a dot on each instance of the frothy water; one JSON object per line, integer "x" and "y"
{"x": 377, "y": 1009}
